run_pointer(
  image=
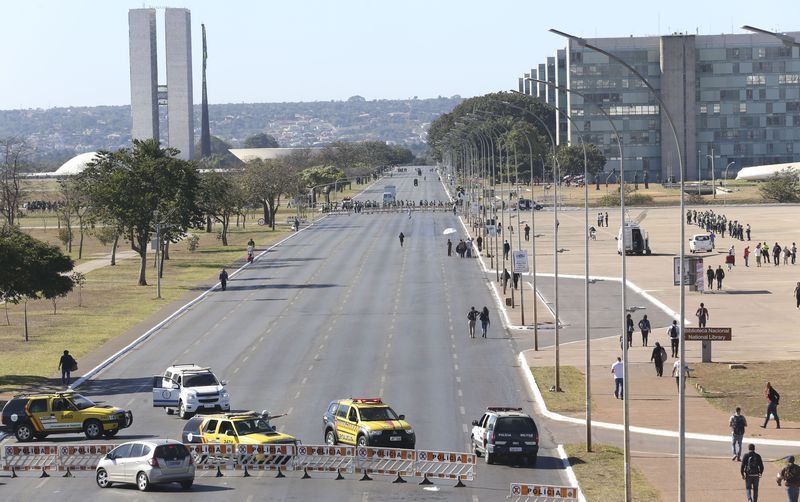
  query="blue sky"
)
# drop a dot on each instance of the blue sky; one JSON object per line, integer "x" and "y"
{"x": 75, "y": 53}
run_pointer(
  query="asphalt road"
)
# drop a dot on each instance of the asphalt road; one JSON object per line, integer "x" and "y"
{"x": 338, "y": 310}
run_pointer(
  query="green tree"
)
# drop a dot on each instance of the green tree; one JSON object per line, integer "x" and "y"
{"x": 31, "y": 269}
{"x": 220, "y": 197}
{"x": 130, "y": 185}
{"x": 265, "y": 181}
{"x": 570, "y": 160}
{"x": 261, "y": 140}
{"x": 783, "y": 186}
{"x": 319, "y": 177}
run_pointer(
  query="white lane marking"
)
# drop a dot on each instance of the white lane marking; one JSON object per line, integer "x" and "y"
{"x": 455, "y": 356}
{"x": 464, "y": 428}
{"x": 455, "y": 367}
{"x": 388, "y": 346}
{"x": 289, "y": 412}
{"x": 460, "y": 394}
{"x": 380, "y": 392}
{"x": 311, "y": 367}
{"x": 297, "y": 394}
{"x": 304, "y": 381}
{"x": 249, "y": 498}
{"x": 322, "y": 347}
{"x": 253, "y": 348}
{"x": 261, "y": 339}
{"x": 235, "y": 371}
{"x": 130, "y": 402}
{"x": 458, "y": 379}
{"x": 475, "y": 498}
{"x": 385, "y": 366}
{"x": 364, "y": 497}
{"x": 461, "y": 410}
{"x": 245, "y": 358}
{"x": 383, "y": 378}
{"x": 41, "y": 484}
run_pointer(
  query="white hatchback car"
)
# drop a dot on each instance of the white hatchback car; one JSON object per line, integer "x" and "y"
{"x": 701, "y": 243}
{"x": 146, "y": 463}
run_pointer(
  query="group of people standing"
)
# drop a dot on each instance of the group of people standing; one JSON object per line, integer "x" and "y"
{"x": 718, "y": 224}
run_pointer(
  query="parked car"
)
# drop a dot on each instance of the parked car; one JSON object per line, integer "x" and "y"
{"x": 701, "y": 243}
{"x": 146, "y": 463}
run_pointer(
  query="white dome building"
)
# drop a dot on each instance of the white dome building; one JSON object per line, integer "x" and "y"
{"x": 76, "y": 164}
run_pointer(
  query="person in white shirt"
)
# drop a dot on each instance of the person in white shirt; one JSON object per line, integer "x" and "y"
{"x": 618, "y": 370}
{"x": 676, "y": 368}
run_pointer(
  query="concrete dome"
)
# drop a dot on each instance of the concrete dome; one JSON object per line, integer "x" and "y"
{"x": 76, "y": 164}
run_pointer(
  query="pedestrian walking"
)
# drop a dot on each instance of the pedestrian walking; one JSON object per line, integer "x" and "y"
{"x": 479, "y": 242}
{"x": 506, "y": 249}
{"x": 773, "y": 399}
{"x": 751, "y": 470}
{"x": 506, "y": 277}
{"x": 484, "y": 318}
{"x": 737, "y": 423}
{"x": 472, "y": 317}
{"x": 710, "y": 276}
{"x": 794, "y": 253}
{"x": 676, "y": 372}
{"x": 449, "y": 247}
{"x": 674, "y": 337}
{"x": 515, "y": 278}
{"x": 618, "y": 370}
{"x": 790, "y": 476}
{"x": 67, "y": 365}
{"x": 629, "y": 329}
{"x": 223, "y": 279}
{"x": 746, "y": 255}
{"x": 787, "y": 253}
{"x": 719, "y": 275}
{"x": 402, "y": 238}
{"x": 702, "y": 315}
{"x": 658, "y": 356}
{"x": 644, "y": 327}
{"x": 527, "y": 232}
{"x": 797, "y": 294}
{"x": 469, "y": 248}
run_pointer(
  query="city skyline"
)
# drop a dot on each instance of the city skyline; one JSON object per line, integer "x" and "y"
{"x": 320, "y": 51}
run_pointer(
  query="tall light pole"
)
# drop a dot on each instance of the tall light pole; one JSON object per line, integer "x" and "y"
{"x": 681, "y": 378}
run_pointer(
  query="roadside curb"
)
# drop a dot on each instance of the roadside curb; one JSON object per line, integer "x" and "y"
{"x": 573, "y": 480}
{"x": 542, "y": 407}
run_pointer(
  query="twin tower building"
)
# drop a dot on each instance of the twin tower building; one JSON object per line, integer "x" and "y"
{"x": 146, "y": 95}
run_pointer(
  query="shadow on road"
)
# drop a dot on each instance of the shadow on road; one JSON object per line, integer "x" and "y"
{"x": 114, "y": 386}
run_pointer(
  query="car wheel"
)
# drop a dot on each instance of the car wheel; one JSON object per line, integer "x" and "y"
{"x": 489, "y": 458}
{"x": 187, "y": 485}
{"x": 111, "y": 433}
{"x": 102, "y": 478}
{"x": 330, "y": 437}
{"x": 142, "y": 483}
{"x": 93, "y": 429}
{"x": 24, "y": 433}
{"x": 362, "y": 440}
{"x": 476, "y": 451}
{"x": 169, "y": 411}
{"x": 532, "y": 460}
{"x": 182, "y": 413}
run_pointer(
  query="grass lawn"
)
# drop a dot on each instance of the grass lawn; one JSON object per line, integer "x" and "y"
{"x": 111, "y": 302}
{"x": 600, "y": 474}
{"x": 728, "y": 388}
{"x": 572, "y": 399}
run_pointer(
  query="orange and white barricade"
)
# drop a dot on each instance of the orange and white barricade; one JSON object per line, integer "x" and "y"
{"x": 264, "y": 457}
{"x": 311, "y": 458}
{"x": 445, "y": 465}
{"x": 17, "y": 459}
{"x": 82, "y": 457}
{"x": 520, "y": 491}
{"x": 386, "y": 461}
{"x": 211, "y": 456}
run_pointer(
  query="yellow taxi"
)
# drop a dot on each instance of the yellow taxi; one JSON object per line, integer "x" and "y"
{"x": 36, "y": 416}
{"x": 246, "y": 427}
{"x": 366, "y": 422}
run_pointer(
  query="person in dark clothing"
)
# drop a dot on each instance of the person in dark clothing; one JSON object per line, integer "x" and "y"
{"x": 710, "y": 275}
{"x": 629, "y": 330}
{"x": 449, "y": 247}
{"x": 776, "y": 254}
{"x": 797, "y": 294}
{"x": 65, "y": 364}
{"x": 606, "y": 222}
{"x": 702, "y": 315}
{"x": 402, "y": 238}
{"x": 484, "y": 318}
{"x": 674, "y": 337}
{"x": 472, "y": 317}
{"x": 644, "y": 327}
{"x": 223, "y": 279}
{"x": 506, "y": 249}
{"x": 479, "y": 242}
{"x": 505, "y": 276}
{"x": 658, "y": 356}
{"x": 527, "y": 232}
{"x": 515, "y": 278}
{"x": 790, "y": 475}
{"x": 719, "y": 275}
{"x": 751, "y": 469}
{"x": 773, "y": 398}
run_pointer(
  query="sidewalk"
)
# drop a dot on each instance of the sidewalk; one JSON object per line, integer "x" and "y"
{"x": 750, "y": 295}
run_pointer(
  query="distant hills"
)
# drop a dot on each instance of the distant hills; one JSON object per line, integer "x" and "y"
{"x": 58, "y": 134}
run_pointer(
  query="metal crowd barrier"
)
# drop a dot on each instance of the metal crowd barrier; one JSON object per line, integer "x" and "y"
{"x": 230, "y": 457}
{"x": 520, "y": 491}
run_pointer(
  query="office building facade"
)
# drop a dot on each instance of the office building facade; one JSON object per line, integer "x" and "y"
{"x": 733, "y": 98}
{"x": 146, "y": 94}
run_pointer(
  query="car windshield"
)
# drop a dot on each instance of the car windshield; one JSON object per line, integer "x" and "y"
{"x": 381, "y": 413}
{"x": 701, "y": 237}
{"x": 253, "y": 426}
{"x": 199, "y": 380}
{"x": 81, "y": 402}
{"x": 518, "y": 425}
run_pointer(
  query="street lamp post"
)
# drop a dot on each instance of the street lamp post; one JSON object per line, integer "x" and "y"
{"x": 681, "y": 378}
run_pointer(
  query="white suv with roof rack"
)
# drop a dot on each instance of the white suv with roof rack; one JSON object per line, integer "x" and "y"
{"x": 189, "y": 388}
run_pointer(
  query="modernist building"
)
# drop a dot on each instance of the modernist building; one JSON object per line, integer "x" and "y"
{"x": 146, "y": 94}
{"x": 735, "y": 98}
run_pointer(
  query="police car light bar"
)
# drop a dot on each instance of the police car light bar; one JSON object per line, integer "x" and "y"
{"x": 503, "y": 408}
{"x": 373, "y": 400}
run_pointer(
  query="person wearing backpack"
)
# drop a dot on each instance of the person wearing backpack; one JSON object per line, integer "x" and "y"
{"x": 472, "y": 316}
{"x": 751, "y": 469}
{"x": 644, "y": 326}
{"x": 790, "y": 476}
{"x": 773, "y": 398}
{"x": 658, "y": 357}
{"x": 674, "y": 337}
{"x": 737, "y": 424}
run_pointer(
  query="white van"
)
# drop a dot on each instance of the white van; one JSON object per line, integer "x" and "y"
{"x": 701, "y": 243}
